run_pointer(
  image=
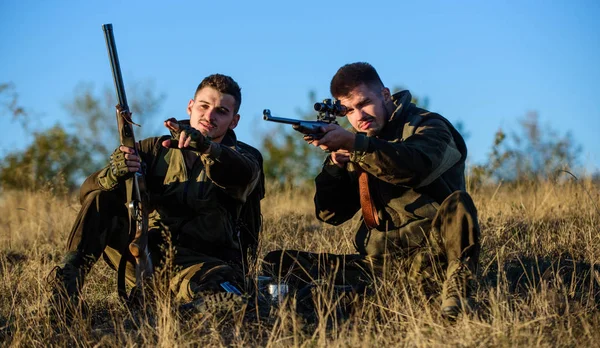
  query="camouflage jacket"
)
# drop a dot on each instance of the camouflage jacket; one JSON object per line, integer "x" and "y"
{"x": 194, "y": 197}
{"x": 416, "y": 161}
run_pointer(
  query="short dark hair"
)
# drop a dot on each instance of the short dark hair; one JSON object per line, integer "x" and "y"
{"x": 225, "y": 85}
{"x": 351, "y": 76}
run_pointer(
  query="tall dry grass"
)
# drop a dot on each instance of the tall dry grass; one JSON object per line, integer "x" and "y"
{"x": 538, "y": 284}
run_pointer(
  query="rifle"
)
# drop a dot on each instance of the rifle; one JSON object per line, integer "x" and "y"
{"x": 135, "y": 186}
{"x": 327, "y": 113}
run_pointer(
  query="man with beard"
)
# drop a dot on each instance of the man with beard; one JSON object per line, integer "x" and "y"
{"x": 402, "y": 167}
{"x": 198, "y": 180}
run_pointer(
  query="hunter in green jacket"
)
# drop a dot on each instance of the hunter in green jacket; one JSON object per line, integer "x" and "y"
{"x": 412, "y": 197}
{"x": 198, "y": 179}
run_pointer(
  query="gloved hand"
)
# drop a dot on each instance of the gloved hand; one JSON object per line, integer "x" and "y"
{"x": 123, "y": 161}
{"x": 182, "y": 134}
{"x": 118, "y": 164}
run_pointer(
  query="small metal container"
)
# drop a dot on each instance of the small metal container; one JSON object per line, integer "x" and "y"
{"x": 278, "y": 292}
{"x": 262, "y": 282}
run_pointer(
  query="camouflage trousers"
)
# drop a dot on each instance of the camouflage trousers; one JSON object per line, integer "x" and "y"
{"x": 454, "y": 235}
{"x": 101, "y": 229}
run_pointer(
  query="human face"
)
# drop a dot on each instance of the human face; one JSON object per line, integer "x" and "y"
{"x": 367, "y": 110}
{"x": 212, "y": 113}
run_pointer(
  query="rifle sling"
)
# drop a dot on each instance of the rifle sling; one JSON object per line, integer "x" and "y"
{"x": 366, "y": 202}
{"x": 125, "y": 252}
{"x": 122, "y": 291}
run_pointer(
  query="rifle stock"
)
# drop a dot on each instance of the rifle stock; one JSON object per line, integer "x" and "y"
{"x": 135, "y": 185}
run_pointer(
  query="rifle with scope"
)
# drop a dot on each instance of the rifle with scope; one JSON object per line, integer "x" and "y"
{"x": 327, "y": 113}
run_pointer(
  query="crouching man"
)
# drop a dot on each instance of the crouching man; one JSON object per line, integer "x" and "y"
{"x": 403, "y": 168}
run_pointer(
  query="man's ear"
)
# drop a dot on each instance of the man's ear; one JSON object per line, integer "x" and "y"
{"x": 234, "y": 122}
{"x": 387, "y": 96}
{"x": 189, "y": 107}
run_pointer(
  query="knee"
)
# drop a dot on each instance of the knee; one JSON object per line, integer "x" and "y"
{"x": 459, "y": 198}
{"x": 105, "y": 201}
{"x": 91, "y": 196}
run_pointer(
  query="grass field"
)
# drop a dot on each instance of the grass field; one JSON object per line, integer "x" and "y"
{"x": 538, "y": 281}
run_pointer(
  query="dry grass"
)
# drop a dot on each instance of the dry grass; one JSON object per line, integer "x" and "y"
{"x": 539, "y": 281}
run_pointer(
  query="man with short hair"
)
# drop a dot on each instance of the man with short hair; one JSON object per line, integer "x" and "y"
{"x": 403, "y": 168}
{"x": 198, "y": 180}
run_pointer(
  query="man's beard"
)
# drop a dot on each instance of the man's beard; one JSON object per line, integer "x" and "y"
{"x": 375, "y": 131}
{"x": 372, "y": 132}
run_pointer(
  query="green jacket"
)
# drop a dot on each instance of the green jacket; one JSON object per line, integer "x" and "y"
{"x": 194, "y": 197}
{"x": 416, "y": 161}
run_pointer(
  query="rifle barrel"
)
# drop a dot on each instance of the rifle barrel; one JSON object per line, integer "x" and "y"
{"x": 114, "y": 64}
{"x": 267, "y": 117}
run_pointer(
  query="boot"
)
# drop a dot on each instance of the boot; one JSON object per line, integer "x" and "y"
{"x": 214, "y": 303}
{"x": 65, "y": 284}
{"x": 457, "y": 289}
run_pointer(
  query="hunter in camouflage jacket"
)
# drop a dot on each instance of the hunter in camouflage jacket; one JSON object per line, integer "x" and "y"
{"x": 194, "y": 201}
{"x": 416, "y": 161}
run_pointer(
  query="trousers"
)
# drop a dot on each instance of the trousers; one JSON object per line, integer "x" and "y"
{"x": 454, "y": 235}
{"x": 101, "y": 229}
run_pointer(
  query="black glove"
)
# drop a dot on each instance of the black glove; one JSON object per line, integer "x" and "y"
{"x": 199, "y": 141}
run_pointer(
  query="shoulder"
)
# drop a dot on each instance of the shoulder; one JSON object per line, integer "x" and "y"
{"x": 421, "y": 119}
{"x": 433, "y": 120}
{"x": 249, "y": 149}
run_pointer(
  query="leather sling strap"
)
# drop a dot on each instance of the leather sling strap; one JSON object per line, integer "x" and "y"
{"x": 366, "y": 203}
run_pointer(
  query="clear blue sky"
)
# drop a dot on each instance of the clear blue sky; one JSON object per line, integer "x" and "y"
{"x": 483, "y": 63}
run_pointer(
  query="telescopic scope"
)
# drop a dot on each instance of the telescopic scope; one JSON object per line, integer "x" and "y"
{"x": 335, "y": 108}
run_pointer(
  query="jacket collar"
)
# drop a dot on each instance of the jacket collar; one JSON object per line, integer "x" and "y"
{"x": 229, "y": 139}
{"x": 402, "y": 101}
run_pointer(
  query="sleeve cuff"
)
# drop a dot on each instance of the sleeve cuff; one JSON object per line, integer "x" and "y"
{"x": 106, "y": 180}
{"x": 214, "y": 151}
{"x": 361, "y": 145}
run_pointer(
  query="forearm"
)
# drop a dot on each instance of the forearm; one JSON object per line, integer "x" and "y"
{"x": 336, "y": 198}
{"x": 414, "y": 162}
{"x": 90, "y": 184}
{"x": 236, "y": 172}
{"x": 107, "y": 180}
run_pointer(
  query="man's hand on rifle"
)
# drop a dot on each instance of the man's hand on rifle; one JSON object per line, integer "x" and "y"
{"x": 334, "y": 138}
{"x": 185, "y": 137}
{"x": 124, "y": 160}
{"x": 340, "y": 158}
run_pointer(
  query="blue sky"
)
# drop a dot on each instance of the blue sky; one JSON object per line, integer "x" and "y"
{"x": 485, "y": 63}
